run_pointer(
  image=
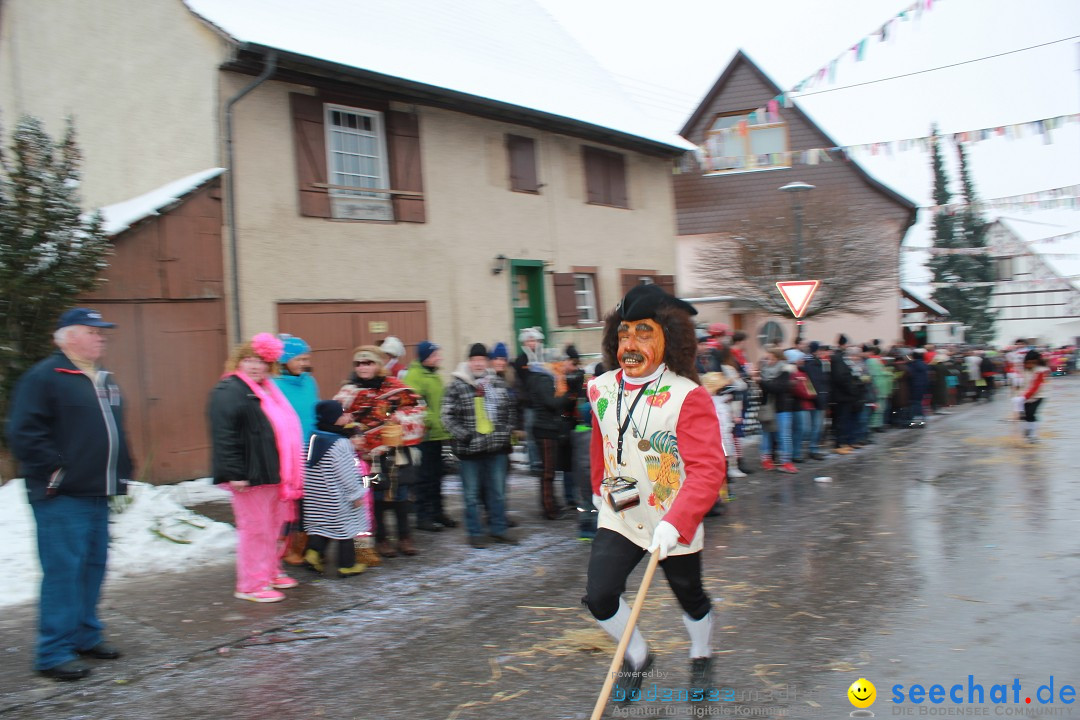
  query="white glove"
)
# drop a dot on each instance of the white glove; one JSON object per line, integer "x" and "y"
{"x": 664, "y": 539}
{"x": 597, "y": 502}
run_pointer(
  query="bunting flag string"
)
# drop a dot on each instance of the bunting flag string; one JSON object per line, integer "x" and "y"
{"x": 714, "y": 157}
{"x": 1067, "y": 197}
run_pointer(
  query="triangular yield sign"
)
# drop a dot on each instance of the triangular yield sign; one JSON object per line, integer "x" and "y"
{"x": 797, "y": 294}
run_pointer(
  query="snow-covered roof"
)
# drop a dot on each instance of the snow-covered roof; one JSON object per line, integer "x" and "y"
{"x": 1054, "y": 235}
{"x": 918, "y": 299}
{"x": 122, "y": 215}
{"x": 510, "y": 51}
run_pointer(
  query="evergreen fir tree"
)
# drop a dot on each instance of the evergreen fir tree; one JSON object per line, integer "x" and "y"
{"x": 966, "y": 304}
{"x": 50, "y": 252}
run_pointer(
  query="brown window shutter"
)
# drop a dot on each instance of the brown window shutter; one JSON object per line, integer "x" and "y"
{"x": 522, "y": 153}
{"x": 309, "y": 144}
{"x": 666, "y": 283}
{"x": 629, "y": 280}
{"x": 594, "y": 175}
{"x": 617, "y": 180}
{"x": 403, "y": 140}
{"x": 565, "y": 299}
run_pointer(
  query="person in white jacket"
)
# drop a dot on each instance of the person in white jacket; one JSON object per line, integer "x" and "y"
{"x": 657, "y": 467}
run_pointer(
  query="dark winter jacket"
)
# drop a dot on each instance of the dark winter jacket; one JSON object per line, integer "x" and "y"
{"x": 68, "y": 431}
{"x": 819, "y": 376}
{"x": 918, "y": 378}
{"x": 552, "y": 413}
{"x": 459, "y": 413}
{"x": 241, "y": 436}
{"x": 844, "y": 385}
{"x": 776, "y": 388}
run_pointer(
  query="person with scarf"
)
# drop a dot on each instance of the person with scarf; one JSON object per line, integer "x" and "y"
{"x": 656, "y": 440}
{"x": 298, "y": 385}
{"x": 378, "y": 405}
{"x": 478, "y": 413}
{"x": 255, "y": 440}
{"x": 333, "y": 491}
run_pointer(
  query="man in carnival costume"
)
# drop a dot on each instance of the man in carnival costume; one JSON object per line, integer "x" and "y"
{"x": 657, "y": 467}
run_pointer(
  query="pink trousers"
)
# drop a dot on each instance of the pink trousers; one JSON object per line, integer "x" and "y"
{"x": 259, "y": 514}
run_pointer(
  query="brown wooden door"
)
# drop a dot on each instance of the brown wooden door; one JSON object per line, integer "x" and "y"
{"x": 167, "y": 356}
{"x": 334, "y": 329}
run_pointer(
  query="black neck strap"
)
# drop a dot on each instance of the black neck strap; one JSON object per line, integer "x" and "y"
{"x": 624, "y": 424}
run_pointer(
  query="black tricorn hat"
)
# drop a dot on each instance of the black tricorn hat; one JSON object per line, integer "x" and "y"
{"x": 643, "y": 301}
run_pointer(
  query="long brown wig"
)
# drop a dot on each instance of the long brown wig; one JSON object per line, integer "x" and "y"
{"x": 680, "y": 343}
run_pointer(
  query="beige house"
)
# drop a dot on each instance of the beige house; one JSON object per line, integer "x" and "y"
{"x": 739, "y": 233}
{"x": 408, "y": 169}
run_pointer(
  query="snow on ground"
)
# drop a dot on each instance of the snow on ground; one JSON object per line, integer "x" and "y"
{"x": 135, "y": 548}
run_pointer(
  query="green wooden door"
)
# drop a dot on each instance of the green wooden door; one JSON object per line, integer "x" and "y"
{"x": 527, "y": 295}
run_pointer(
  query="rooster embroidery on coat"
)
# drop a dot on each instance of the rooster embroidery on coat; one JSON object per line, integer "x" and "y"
{"x": 664, "y": 469}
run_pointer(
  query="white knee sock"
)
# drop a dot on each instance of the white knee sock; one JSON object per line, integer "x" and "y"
{"x": 638, "y": 649}
{"x": 700, "y": 635}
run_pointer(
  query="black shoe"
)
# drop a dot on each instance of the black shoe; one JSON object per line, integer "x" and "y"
{"x": 102, "y": 651}
{"x": 817, "y": 456}
{"x": 701, "y": 673}
{"x": 429, "y": 526}
{"x": 503, "y": 538}
{"x": 478, "y": 542}
{"x": 70, "y": 670}
{"x": 628, "y": 685}
{"x": 446, "y": 521}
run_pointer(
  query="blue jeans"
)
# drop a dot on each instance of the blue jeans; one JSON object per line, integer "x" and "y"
{"x": 73, "y": 545}
{"x": 817, "y": 423}
{"x": 800, "y": 428}
{"x": 488, "y": 471}
{"x": 783, "y": 431}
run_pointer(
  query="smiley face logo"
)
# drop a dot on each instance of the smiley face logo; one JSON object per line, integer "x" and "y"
{"x": 862, "y": 693}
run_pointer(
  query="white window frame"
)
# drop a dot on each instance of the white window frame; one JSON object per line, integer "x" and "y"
{"x": 585, "y": 298}
{"x": 339, "y": 189}
{"x": 716, "y": 165}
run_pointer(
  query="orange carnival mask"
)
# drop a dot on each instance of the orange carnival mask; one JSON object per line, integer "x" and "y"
{"x": 641, "y": 347}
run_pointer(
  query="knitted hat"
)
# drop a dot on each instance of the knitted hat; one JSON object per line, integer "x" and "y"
{"x": 499, "y": 351}
{"x": 530, "y": 333}
{"x": 814, "y": 346}
{"x": 425, "y": 349}
{"x": 267, "y": 347}
{"x": 293, "y": 346}
{"x": 792, "y": 355}
{"x": 393, "y": 347}
{"x": 478, "y": 350}
{"x": 327, "y": 412}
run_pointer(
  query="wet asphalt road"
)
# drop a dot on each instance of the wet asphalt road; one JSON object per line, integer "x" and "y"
{"x": 935, "y": 555}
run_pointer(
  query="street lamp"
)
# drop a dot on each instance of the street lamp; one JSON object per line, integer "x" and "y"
{"x": 796, "y": 189}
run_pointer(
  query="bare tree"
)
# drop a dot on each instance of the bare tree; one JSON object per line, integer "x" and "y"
{"x": 847, "y": 251}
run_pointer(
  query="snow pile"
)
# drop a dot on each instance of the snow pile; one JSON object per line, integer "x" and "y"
{"x": 135, "y": 547}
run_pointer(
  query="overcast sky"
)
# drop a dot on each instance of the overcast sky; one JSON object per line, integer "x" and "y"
{"x": 669, "y": 55}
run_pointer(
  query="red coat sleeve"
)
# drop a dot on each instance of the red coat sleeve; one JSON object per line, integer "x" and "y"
{"x": 596, "y": 457}
{"x": 703, "y": 460}
{"x": 1036, "y": 383}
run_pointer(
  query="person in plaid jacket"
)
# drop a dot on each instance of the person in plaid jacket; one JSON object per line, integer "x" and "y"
{"x": 478, "y": 412}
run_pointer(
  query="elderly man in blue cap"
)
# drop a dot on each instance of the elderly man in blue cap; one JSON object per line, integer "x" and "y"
{"x": 66, "y": 429}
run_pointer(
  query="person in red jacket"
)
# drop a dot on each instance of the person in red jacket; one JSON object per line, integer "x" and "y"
{"x": 657, "y": 467}
{"x": 1036, "y": 372}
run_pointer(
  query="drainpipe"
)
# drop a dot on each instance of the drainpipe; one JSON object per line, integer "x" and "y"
{"x": 230, "y": 185}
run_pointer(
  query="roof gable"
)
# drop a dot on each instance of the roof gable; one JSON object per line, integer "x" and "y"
{"x": 724, "y": 96}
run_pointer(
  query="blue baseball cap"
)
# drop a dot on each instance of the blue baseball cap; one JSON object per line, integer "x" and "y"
{"x": 83, "y": 316}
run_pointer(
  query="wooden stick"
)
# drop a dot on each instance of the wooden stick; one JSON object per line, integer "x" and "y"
{"x": 620, "y": 651}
